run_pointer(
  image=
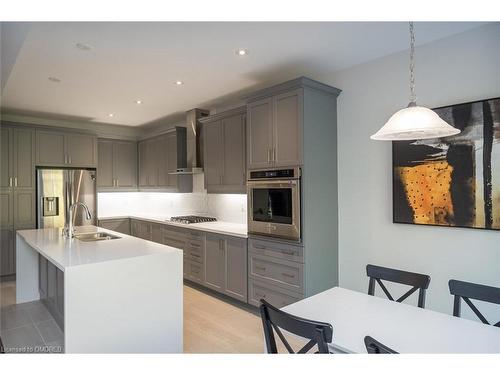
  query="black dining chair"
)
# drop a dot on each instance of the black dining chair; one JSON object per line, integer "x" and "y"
{"x": 467, "y": 291}
{"x": 2, "y": 350}
{"x": 375, "y": 347}
{"x": 417, "y": 281}
{"x": 273, "y": 319}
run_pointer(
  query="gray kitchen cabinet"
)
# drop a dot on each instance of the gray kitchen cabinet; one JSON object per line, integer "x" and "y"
{"x": 42, "y": 277}
{"x": 159, "y": 157}
{"x": 7, "y": 254}
{"x": 105, "y": 172}
{"x": 275, "y": 130}
{"x": 117, "y": 165}
{"x": 65, "y": 149}
{"x": 17, "y": 191}
{"x": 141, "y": 229}
{"x": 214, "y": 262}
{"x": 259, "y": 133}
{"x": 50, "y": 148}
{"x": 157, "y": 233}
{"x": 226, "y": 265}
{"x": 287, "y": 129}
{"x": 81, "y": 150}
{"x": 5, "y": 152}
{"x": 117, "y": 225}
{"x": 51, "y": 288}
{"x": 224, "y": 151}
{"x": 275, "y": 271}
{"x": 236, "y": 268}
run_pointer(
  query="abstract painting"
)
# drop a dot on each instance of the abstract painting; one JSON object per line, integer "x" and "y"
{"x": 452, "y": 181}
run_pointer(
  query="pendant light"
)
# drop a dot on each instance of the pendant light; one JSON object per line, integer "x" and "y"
{"x": 414, "y": 122}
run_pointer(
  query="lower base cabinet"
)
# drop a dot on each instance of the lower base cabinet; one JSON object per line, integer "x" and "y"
{"x": 51, "y": 288}
{"x": 117, "y": 225}
{"x": 226, "y": 265}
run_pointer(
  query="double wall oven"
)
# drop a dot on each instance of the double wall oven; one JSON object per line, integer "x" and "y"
{"x": 274, "y": 203}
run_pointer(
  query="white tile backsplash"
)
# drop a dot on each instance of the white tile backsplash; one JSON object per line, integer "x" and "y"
{"x": 225, "y": 207}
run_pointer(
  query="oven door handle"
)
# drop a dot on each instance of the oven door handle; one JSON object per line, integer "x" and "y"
{"x": 273, "y": 184}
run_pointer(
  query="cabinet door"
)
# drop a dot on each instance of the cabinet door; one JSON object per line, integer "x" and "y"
{"x": 59, "y": 306}
{"x": 42, "y": 276}
{"x": 171, "y": 156}
{"x": 24, "y": 208}
{"x": 118, "y": 225}
{"x": 105, "y": 178}
{"x": 214, "y": 262}
{"x": 161, "y": 157}
{"x": 24, "y": 158}
{"x": 233, "y": 162}
{"x": 259, "y": 133}
{"x": 81, "y": 150}
{"x": 51, "y": 286}
{"x": 212, "y": 138}
{"x": 236, "y": 268}
{"x": 143, "y": 163}
{"x": 157, "y": 233}
{"x": 288, "y": 129}
{"x": 50, "y": 149}
{"x": 7, "y": 252}
{"x": 6, "y": 208}
{"x": 6, "y": 173}
{"x": 125, "y": 164}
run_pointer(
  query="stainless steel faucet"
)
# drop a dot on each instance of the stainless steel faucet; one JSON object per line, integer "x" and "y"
{"x": 69, "y": 231}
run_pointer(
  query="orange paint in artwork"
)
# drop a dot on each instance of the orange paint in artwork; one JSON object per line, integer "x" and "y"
{"x": 427, "y": 188}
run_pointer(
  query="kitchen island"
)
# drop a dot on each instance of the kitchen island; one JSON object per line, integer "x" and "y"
{"x": 122, "y": 295}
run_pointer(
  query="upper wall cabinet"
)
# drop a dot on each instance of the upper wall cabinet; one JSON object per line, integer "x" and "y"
{"x": 224, "y": 151}
{"x": 117, "y": 165}
{"x": 159, "y": 159}
{"x": 65, "y": 149}
{"x": 17, "y": 158}
{"x": 274, "y": 130}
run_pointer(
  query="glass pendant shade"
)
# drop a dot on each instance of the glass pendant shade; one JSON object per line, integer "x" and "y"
{"x": 414, "y": 122}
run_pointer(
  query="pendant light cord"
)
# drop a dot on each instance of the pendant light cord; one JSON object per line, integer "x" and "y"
{"x": 413, "y": 95}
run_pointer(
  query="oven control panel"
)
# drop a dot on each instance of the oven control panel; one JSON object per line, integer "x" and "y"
{"x": 289, "y": 173}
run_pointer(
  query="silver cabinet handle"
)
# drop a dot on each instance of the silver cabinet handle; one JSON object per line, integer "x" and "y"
{"x": 287, "y": 275}
{"x": 274, "y": 155}
{"x": 268, "y": 155}
{"x": 260, "y": 247}
{"x": 116, "y": 182}
{"x": 260, "y": 268}
{"x": 10, "y": 182}
{"x": 287, "y": 252}
{"x": 15, "y": 181}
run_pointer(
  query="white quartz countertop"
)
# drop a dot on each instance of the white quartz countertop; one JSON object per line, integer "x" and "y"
{"x": 221, "y": 227}
{"x": 65, "y": 253}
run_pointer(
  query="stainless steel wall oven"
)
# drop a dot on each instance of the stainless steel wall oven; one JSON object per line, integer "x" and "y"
{"x": 274, "y": 203}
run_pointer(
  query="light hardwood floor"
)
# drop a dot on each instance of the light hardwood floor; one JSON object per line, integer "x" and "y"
{"x": 211, "y": 324}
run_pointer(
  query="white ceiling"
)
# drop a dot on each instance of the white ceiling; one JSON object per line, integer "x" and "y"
{"x": 130, "y": 61}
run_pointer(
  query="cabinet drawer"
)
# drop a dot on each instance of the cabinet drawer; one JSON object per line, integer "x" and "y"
{"x": 195, "y": 235}
{"x": 281, "y": 250}
{"x": 282, "y": 273}
{"x": 195, "y": 272}
{"x": 275, "y": 296}
{"x": 180, "y": 234}
{"x": 176, "y": 242}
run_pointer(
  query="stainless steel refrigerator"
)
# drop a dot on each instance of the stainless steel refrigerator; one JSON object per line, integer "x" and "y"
{"x": 57, "y": 189}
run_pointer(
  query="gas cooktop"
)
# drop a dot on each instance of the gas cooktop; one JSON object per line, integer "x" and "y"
{"x": 192, "y": 219}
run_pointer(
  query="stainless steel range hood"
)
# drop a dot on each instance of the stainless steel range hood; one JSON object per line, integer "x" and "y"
{"x": 194, "y": 142}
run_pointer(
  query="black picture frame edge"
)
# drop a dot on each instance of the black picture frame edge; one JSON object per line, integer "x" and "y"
{"x": 392, "y": 177}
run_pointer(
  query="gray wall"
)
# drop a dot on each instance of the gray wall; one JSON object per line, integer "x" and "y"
{"x": 458, "y": 69}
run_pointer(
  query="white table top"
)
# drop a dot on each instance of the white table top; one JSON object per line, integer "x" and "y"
{"x": 65, "y": 253}
{"x": 402, "y": 327}
{"x": 220, "y": 227}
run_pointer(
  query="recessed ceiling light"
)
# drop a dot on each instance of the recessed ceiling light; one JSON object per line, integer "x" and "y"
{"x": 138, "y": 102}
{"x": 242, "y": 52}
{"x": 111, "y": 114}
{"x": 54, "y": 79}
{"x": 179, "y": 83}
{"x": 84, "y": 46}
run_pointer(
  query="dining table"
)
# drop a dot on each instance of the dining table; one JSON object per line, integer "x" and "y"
{"x": 402, "y": 327}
